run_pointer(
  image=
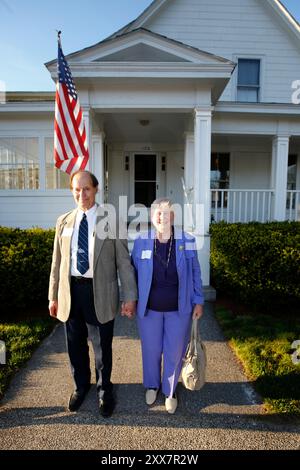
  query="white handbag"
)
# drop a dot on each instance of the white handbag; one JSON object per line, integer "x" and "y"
{"x": 194, "y": 361}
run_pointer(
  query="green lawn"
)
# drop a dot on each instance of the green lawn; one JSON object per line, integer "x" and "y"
{"x": 21, "y": 339}
{"x": 263, "y": 344}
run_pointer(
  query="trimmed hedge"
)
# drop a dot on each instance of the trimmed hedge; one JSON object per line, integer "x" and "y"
{"x": 258, "y": 264}
{"x": 25, "y": 261}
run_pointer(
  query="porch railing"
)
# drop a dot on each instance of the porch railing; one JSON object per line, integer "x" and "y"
{"x": 293, "y": 205}
{"x": 241, "y": 205}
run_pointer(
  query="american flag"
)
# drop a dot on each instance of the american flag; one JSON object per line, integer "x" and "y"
{"x": 70, "y": 140}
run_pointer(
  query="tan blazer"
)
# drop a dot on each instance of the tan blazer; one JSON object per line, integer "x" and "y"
{"x": 110, "y": 256}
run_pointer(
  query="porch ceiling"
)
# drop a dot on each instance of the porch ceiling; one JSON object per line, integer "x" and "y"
{"x": 169, "y": 128}
{"x": 145, "y": 127}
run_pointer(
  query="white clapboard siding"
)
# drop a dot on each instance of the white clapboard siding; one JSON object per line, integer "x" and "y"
{"x": 40, "y": 210}
{"x": 235, "y": 28}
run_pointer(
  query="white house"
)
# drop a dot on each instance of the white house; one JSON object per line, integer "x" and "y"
{"x": 191, "y": 90}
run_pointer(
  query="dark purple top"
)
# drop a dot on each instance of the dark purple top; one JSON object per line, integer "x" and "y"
{"x": 163, "y": 295}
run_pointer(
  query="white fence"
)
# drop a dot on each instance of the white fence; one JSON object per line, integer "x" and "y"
{"x": 241, "y": 205}
{"x": 245, "y": 205}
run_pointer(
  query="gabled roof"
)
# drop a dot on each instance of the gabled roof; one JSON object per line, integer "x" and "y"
{"x": 156, "y": 6}
{"x": 107, "y": 46}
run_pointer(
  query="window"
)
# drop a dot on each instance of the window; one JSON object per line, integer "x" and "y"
{"x": 291, "y": 181}
{"x": 292, "y": 172}
{"x": 55, "y": 178}
{"x": 219, "y": 178}
{"x": 19, "y": 163}
{"x": 219, "y": 174}
{"x": 248, "y": 85}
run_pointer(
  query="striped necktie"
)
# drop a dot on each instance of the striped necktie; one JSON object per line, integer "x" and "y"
{"x": 83, "y": 246}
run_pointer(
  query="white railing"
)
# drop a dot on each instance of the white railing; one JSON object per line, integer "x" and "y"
{"x": 293, "y": 205}
{"x": 241, "y": 205}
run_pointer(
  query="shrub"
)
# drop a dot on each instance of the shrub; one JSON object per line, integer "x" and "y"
{"x": 25, "y": 260}
{"x": 258, "y": 264}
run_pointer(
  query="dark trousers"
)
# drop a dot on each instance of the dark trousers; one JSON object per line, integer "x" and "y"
{"x": 81, "y": 325}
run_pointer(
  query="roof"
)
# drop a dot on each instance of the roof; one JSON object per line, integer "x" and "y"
{"x": 155, "y": 7}
{"x": 29, "y": 96}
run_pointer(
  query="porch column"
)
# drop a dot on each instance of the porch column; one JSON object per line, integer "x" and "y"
{"x": 88, "y": 130}
{"x": 189, "y": 161}
{"x": 98, "y": 163}
{"x": 280, "y": 155}
{"x": 202, "y": 197}
{"x": 188, "y": 180}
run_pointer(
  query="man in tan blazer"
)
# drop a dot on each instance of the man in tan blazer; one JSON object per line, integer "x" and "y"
{"x": 84, "y": 293}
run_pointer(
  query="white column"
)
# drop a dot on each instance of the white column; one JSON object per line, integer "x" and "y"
{"x": 98, "y": 163}
{"x": 280, "y": 155}
{"x": 42, "y": 163}
{"x": 202, "y": 156}
{"x": 202, "y": 197}
{"x": 188, "y": 180}
{"x": 189, "y": 161}
{"x": 88, "y": 130}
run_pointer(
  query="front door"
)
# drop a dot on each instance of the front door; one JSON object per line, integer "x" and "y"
{"x": 145, "y": 179}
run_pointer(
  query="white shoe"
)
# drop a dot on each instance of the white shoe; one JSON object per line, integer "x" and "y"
{"x": 151, "y": 396}
{"x": 171, "y": 405}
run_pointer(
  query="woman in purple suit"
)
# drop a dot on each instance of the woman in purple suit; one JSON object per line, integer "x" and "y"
{"x": 170, "y": 295}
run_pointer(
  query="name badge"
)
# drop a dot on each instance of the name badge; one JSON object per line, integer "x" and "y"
{"x": 67, "y": 232}
{"x": 146, "y": 254}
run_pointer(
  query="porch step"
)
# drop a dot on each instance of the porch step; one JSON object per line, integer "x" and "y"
{"x": 210, "y": 293}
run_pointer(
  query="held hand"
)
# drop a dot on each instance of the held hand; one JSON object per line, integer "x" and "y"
{"x": 197, "y": 312}
{"x": 53, "y": 307}
{"x": 128, "y": 308}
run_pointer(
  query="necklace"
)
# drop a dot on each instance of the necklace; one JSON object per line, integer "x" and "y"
{"x": 163, "y": 262}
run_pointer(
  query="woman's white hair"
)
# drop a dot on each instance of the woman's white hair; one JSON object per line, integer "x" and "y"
{"x": 162, "y": 200}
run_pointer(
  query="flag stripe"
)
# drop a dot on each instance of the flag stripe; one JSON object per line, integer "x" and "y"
{"x": 58, "y": 160}
{"x": 59, "y": 142}
{"x": 75, "y": 164}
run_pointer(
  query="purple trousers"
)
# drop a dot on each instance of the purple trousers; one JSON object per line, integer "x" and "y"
{"x": 163, "y": 334}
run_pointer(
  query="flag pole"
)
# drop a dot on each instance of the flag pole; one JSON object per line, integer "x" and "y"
{"x": 58, "y": 37}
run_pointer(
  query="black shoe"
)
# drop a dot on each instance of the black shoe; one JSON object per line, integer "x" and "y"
{"x": 107, "y": 404}
{"x": 77, "y": 398}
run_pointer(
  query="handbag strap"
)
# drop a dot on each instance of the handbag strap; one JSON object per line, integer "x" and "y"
{"x": 194, "y": 336}
{"x": 196, "y": 340}
{"x": 194, "y": 333}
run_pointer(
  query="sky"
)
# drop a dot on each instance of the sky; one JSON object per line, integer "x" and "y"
{"x": 28, "y": 34}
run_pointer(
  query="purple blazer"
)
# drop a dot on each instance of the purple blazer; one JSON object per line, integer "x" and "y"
{"x": 188, "y": 269}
